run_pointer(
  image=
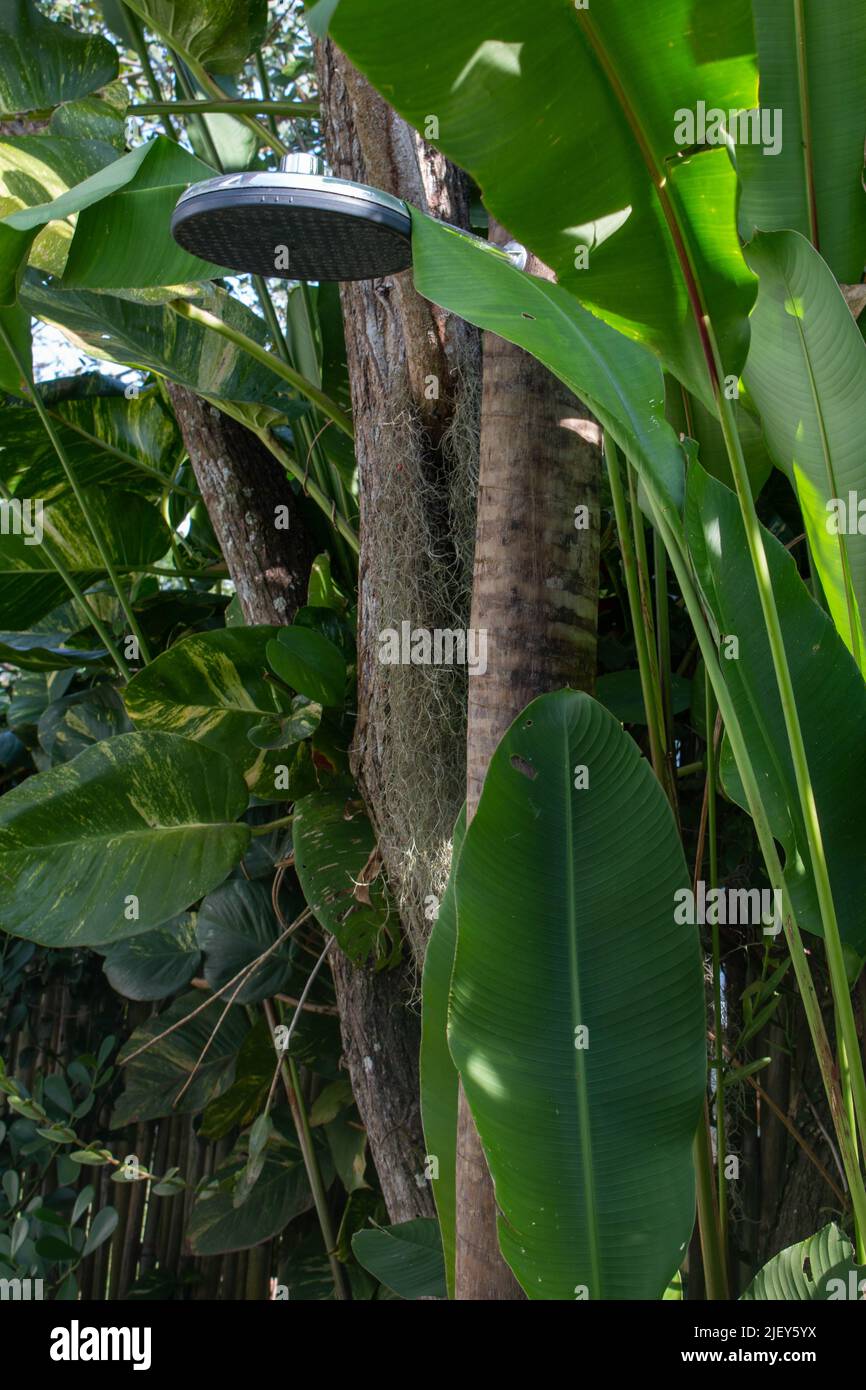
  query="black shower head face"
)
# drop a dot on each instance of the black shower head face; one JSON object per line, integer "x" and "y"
{"x": 295, "y": 226}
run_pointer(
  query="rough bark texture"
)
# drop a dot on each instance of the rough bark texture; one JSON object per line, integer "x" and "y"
{"x": 536, "y": 594}
{"x": 410, "y": 366}
{"x": 241, "y": 484}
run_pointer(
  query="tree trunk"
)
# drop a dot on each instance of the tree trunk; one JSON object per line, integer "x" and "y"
{"x": 414, "y": 372}
{"x": 241, "y": 484}
{"x": 536, "y": 595}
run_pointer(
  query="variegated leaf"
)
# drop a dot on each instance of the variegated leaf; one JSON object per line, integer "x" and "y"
{"x": 119, "y": 840}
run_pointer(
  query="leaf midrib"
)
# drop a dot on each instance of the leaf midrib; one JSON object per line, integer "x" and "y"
{"x": 582, "y": 1093}
{"x": 113, "y": 837}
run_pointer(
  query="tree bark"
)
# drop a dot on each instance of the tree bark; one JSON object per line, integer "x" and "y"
{"x": 412, "y": 367}
{"x": 241, "y": 484}
{"x": 535, "y": 593}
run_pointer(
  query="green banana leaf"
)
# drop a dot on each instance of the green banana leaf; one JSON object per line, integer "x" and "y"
{"x": 119, "y": 840}
{"x": 618, "y": 379}
{"x": 806, "y": 374}
{"x": 154, "y": 337}
{"x": 577, "y": 1014}
{"x": 34, "y": 170}
{"x": 122, "y": 238}
{"x": 830, "y": 697}
{"x": 133, "y": 530}
{"x": 567, "y": 119}
{"x": 814, "y": 185}
{"x": 801, "y": 1271}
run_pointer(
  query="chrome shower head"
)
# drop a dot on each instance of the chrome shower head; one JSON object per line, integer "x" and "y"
{"x": 297, "y": 223}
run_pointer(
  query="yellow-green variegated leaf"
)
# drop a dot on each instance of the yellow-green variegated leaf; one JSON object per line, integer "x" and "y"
{"x": 213, "y": 687}
{"x": 128, "y": 834}
{"x": 577, "y": 1015}
{"x": 43, "y": 62}
{"x": 214, "y": 34}
{"x": 30, "y": 587}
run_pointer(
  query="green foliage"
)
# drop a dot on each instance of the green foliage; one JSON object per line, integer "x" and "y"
{"x": 603, "y": 85}
{"x": 829, "y": 692}
{"x": 70, "y": 64}
{"x": 807, "y": 377}
{"x": 588, "y": 1097}
{"x": 802, "y": 1271}
{"x": 408, "y": 1257}
{"x": 84, "y": 847}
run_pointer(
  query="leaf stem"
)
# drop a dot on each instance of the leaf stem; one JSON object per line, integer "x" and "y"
{"x": 268, "y": 359}
{"x": 291, "y": 1085}
{"x": 208, "y": 106}
{"x": 832, "y": 938}
{"x": 812, "y": 1008}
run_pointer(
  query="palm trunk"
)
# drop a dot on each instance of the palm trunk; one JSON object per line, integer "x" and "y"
{"x": 536, "y": 595}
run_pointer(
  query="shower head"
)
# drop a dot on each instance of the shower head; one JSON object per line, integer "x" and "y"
{"x": 297, "y": 223}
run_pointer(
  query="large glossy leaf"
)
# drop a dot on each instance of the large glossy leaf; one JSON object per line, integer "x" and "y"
{"x": 801, "y": 1271}
{"x": 310, "y": 663}
{"x": 153, "y": 1079}
{"x": 156, "y": 964}
{"x": 806, "y": 374}
{"x": 830, "y": 697}
{"x": 124, "y": 241}
{"x": 43, "y": 62}
{"x": 334, "y": 845}
{"x": 566, "y": 118}
{"x": 407, "y": 1257}
{"x": 69, "y": 726}
{"x": 824, "y": 65}
{"x": 101, "y": 117}
{"x": 141, "y": 823}
{"x": 133, "y": 530}
{"x": 439, "y": 1080}
{"x": 109, "y": 439}
{"x": 153, "y": 336}
{"x": 216, "y": 34}
{"x": 618, "y": 379}
{"x": 577, "y": 1016}
{"x": 281, "y": 1193}
{"x": 122, "y": 238}
{"x": 234, "y": 925}
{"x": 45, "y": 651}
{"x": 36, "y": 169}
{"x": 212, "y": 687}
